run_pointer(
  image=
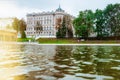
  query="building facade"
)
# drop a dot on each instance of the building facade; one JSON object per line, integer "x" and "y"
{"x": 47, "y": 20}
{"x": 6, "y": 31}
{"x": 8, "y": 35}
{"x": 5, "y": 22}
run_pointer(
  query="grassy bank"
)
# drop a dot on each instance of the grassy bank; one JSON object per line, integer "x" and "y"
{"x": 75, "y": 41}
{"x": 68, "y": 41}
{"x": 56, "y": 41}
{"x": 23, "y": 39}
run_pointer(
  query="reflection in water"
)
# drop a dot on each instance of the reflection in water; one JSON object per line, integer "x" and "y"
{"x": 25, "y": 61}
{"x": 86, "y": 62}
{"x": 52, "y": 62}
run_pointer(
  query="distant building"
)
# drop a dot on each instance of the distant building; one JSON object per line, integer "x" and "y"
{"x": 7, "y": 34}
{"x": 48, "y": 22}
{"x": 5, "y": 22}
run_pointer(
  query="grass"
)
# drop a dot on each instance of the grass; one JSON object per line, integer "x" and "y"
{"x": 23, "y": 39}
{"x": 56, "y": 41}
{"x": 69, "y": 41}
{"x": 75, "y": 41}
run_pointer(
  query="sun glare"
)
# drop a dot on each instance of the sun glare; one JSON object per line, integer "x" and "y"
{"x": 5, "y": 22}
{"x": 8, "y": 62}
{"x": 6, "y": 31}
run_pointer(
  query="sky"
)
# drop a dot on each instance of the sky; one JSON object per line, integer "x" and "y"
{"x": 19, "y": 8}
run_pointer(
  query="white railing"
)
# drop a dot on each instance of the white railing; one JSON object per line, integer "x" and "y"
{"x": 37, "y": 37}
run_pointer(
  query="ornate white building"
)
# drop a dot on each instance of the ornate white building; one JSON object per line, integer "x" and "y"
{"x": 48, "y": 22}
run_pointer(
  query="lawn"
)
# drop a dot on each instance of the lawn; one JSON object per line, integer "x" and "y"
{"x": 68, "y": 41}
{"x": 23, "y": 39}
{"x": 56, "y": 41}
{"x": 75, "y": 41}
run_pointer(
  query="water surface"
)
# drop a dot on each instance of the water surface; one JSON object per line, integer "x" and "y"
{"x": 54, "y": 62}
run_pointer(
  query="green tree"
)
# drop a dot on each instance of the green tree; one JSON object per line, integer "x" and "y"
{"x": 22, "y": 25}
{"x": 112, "y": 20}
{"x": 63, "y": 28}
{"x": 68, "y": 24}
{"x": 107, "y": 21}
{"x": 58, "y": 27}
{"x": 58, "y": 35}
{"x": 107, "y": 15}
{"x": 83, "y": 31}
{"x": 22, "y": 28}
{"x": 23, "y": 35}
{"x": 84, "y": 21}
{"x": 99, "y": 22}
{"x": 15, "y": 24}
{"x": 61, "y": 33}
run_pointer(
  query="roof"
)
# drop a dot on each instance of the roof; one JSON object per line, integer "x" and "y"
{"x": 59, "y": 9}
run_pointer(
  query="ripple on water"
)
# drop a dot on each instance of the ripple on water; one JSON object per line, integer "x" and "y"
{"x": 19, "y": 70}
{"x": 34, "y": 61}
{"x": 116, "y": 68}
{"x": 117, "y": 61}
{"x": 72, "y": 77}
{"x": 92, "y": 76}
{"x": 45, "y": 77}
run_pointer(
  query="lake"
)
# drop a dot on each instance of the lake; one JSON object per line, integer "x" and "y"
{"x": 59, "y": 62}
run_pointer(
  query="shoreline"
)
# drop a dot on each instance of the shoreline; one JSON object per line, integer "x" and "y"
{"x": 67, "y": 44}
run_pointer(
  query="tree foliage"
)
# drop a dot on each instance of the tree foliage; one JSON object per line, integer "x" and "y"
{"x": 64, "y": 27}
{"x": 22, "y": 25}
{"x": 58, "y": 23}
{"x": 61, "y": 33}
{"x": 22, "y": 28}
{"x": 19, "y": 26}
{"x": 69, "y": 26}
{"x": 99, "y": 24}
{"x": 15, "y": 24}
{"x": 108, "y": 21}
{"x": 84, "y": 23}
{"x": 112, "y": 16}
{"x": 23, "y": 35}
{"x": 105, "y": 23}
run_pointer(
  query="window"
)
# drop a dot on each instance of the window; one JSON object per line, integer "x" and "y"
{"x": 44, "y": 22}
{"x": 44, "y": 17}
{"x": 49, "y": 33}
